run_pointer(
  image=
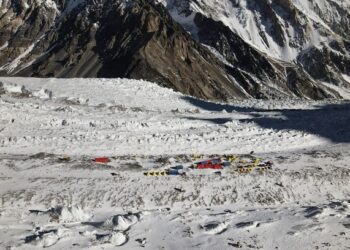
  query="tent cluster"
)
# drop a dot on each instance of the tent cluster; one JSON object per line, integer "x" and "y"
{"x": 232, "y": 162}
{"x": 229, "y": 163}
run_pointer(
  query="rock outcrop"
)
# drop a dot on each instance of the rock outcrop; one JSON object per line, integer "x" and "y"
{"x": 191, "y": 46}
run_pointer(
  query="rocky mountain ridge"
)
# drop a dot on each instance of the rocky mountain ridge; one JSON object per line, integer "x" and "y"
{"x": 185, "y": 45}
{"x": 313, "y": 35}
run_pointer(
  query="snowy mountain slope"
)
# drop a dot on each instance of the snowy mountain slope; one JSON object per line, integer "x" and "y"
{"x": 306, "y": 33}
{"x": 49, "y": 201}
{"x": 279, "y": 28}
{"x": 271, "y": 51}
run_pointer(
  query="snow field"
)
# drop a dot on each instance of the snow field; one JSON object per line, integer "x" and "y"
{"x": 117, "y": 117}
{"x": 47, "y": 202}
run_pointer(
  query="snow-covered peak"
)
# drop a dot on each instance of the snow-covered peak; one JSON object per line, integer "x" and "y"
{"x": 279, "y": 28}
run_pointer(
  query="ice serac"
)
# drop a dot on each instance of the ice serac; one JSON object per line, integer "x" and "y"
{"x": 209, "y": 49}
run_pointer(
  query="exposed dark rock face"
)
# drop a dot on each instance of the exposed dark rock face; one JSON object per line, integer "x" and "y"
{"x": 328, "y": 63}
{"x": 141, "y": 40}
{"x": 254, "y": 70}
{"x": 21, "y": 23}
{"x": 290, "y": 41}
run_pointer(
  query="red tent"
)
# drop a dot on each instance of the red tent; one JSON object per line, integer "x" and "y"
{"x": 102, "y": 160}
{"x": 209, "y": 166}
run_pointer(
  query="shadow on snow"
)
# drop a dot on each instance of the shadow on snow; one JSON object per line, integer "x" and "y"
{"x": 330, "y": 121}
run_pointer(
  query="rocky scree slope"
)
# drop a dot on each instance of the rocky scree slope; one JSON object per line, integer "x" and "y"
{"x": 185, "y": 45}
